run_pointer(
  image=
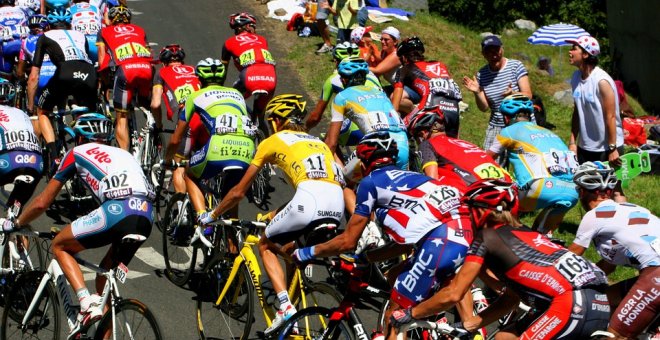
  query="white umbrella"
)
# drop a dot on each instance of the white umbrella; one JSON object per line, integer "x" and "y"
{"x": 556, "y": 34}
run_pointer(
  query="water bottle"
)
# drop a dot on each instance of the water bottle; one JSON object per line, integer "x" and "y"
{"x": 377, "y": 335}
{"x": 479, "y": 300}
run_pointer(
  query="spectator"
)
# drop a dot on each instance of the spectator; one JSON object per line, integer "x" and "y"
{"x": 596, "y": 130}
{"x": 368, "y": 49}
{"x": 496, "y": 80}
{"x": 323, "y": 9}
{"x": 346, "y": 12}
{"x": 389, "y": 38}
{"x": 544, "y": 65}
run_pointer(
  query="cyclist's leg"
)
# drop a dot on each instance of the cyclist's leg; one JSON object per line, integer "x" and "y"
{"x": 628, "y": 319}
{"x": 45, "y": 104}
{"x": 30, "y": 171}
{"x": 122, "y": 97}
{"x": 259, "y": 78}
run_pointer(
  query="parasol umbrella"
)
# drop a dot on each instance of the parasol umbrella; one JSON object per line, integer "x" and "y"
{"x": 556, "y": 35}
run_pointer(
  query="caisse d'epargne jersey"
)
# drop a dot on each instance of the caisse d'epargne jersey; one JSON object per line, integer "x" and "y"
{"x": 12, "y": 19}
{"x": 408, "y": 204}
{"x": 61, "y": 46}
{"x": 178, "y": 82}
{"x": 368, "y": 108}
{"x": 109, "y": 172}
{"x": 247, "y": 49}
{"x": 535, "y": 152}
{"x": 623, "y": 233}
{"x": 16, "y": 131}
{"x": 428, "y": 79}
{"x": 127, "y": 44}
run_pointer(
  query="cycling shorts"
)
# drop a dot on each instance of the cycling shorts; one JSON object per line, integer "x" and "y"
{"x": 131, "y": 79}
{"x": 77, "y": 78}
{"x": 434, "y": 261}
{"x": 350, "y": 134}
{"x": 113, "y": 220}
{"x": 46, "y": 73}
{"x": 640, "y": 306}
{"x": 15, "y": 162}
{"x": 219, "y": 153}
{"x": 195, "y": 137}
{"x": 549, "y": 192}
{"x": 313, "y": 201}
{"x": 257, "y": 77}
{"x": 572, "y": 315}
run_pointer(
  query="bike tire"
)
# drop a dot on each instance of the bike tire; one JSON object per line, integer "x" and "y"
{"x": 45, "y": 323}
{"x": 230, "y": 319}
{"x": 180, "y": 256}
{"x": 131, "y": 315}
{"x": 310, "y": 323}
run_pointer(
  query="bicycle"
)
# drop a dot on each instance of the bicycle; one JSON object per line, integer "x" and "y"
{"x": 438, "y": 329}
{"x": 261, "y": 187}
{"x": 33, "y": 310}
{"x": 233, "y": 279}
{"x": 146, "y": 144}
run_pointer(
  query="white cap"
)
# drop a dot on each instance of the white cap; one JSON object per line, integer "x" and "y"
{"x": 393, "y": 32}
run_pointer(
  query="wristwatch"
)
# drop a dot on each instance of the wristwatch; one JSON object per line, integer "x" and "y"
{"x": 611, "y": 147}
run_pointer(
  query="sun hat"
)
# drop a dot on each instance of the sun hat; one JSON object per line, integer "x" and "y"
{"x": 392, "y": 32}
{"x": 359, "y": 32}
{"x": 491, "y": 40}
{"x": 588, "y": 43}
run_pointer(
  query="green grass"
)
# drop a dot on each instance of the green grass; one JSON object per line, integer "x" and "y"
{"x": 459, "y": 49}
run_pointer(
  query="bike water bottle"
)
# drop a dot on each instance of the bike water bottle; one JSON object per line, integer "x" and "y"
{"x": 479, "y": 300}
{"x": 375, "y": 335}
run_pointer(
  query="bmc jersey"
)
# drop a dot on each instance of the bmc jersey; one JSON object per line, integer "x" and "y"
{"x": 333, "y": 85}
{"x": 221, "y": 109}
{"x": 300, "y": 155}
{"x": 461, "y": 162}
{"x": 127, "y": 44}
{"x": 409, "y": 205}
{"x": 61, "y": 46}
{"x": 109, "y": 172}
{"x": 623, "y": 233}
{"x": 178, "y": 82}
{"x": 16, "y": 132}
{"x": 429, "y": 79}
{"x": 368, "y": 108}
{"x": 535, "y": 152}
{"x": 247, "y": 49}
{"x": 532, "y": 263}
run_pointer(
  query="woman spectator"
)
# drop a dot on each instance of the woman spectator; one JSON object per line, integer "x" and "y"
{"x": 390, "y": 62}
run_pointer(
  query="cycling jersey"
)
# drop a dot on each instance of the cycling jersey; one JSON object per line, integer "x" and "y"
{"x": 61, "y": 46}
{"x": 460, "y": 162}
{"x": 47, "y": 70}
{"x": 87, "y": 19}
{"x": 127, "y": 44}
{"x": 178, "y": 82}
{"x": 30, "y": 7}
{"x": 247, "y": 49}
{"x": 13, "y": 23}
{"x": 333, "y": 85}
{"x": 16, "y": 131}
{"x": 109, "y": 172}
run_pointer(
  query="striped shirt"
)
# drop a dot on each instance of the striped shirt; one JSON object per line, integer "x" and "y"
{"x": 496, "y": 83}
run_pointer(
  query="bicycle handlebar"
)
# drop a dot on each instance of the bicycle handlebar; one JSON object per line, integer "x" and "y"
{"x": 48, "y": 235}
{"x": 441, "y": 327}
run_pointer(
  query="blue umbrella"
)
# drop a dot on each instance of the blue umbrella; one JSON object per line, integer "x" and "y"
{"x": 556, "y": 34}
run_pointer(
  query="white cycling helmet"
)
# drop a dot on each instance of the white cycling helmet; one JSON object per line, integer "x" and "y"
{"x": 595, "y": 176}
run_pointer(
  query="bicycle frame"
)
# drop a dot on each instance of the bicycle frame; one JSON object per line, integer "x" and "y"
{"x": 8, "y": 243}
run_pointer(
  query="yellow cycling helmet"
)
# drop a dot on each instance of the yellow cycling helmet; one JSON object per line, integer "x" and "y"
{"x": 289, "y": 106}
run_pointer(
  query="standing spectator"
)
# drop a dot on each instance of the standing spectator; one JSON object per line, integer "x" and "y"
{"x": 544, "y": 65}
{"x": 368, "y": 49}
{"x": 390, "y": 62}
{"x": 346, "y": 13}
{"x": 324, "y": 8}
{"x": 496, "y": 80}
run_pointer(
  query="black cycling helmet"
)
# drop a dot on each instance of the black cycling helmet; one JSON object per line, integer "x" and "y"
{"x": 238, "y": 20}
{"x": 409, "y": 45}
{"x": 171, "y": 53}
{"x": 120, "y": 14}
{"x": 376, "y": 149}
{"x": 425, "y": 119}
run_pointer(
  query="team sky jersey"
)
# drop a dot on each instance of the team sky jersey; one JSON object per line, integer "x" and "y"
{"x": 367, "y": 107}
{"x": 408, "y": 204}
{"x": 247, "y": 49}
{"x": 460, "y": 162}
{"x": 127, "y": 44}
{"x": 109, "y": 172}
{"x": 178, "y": 82}
{"x": 428, "y": 79}
{"x": 61, "y": 46}
{"x": 16, "y": 131}
{"x": 535, "y": 152}
{"x": 623, "y": 233}
{"x": 221, "y": 109}
{"x": 333, "y": 85}
{"x": 301, "y": 156}
{"x": 534, "y": 265}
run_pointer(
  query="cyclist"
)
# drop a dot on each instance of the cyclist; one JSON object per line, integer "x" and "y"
{"x": 565, "y": 288}
{"x": 88, "y": 19}
{"x": 13, "y": 27}
{"x": 117, "y": 181}
{"x": 50, "y": 5}
{"x": 254, "y": 62}
{"x": 123, "y": 46}
{"x": 430, "y": 82}
{"x": 415, "y": 210}
{"x": 20, "y": 152}
{"x": 309, "y": 166}
{"x": 543, "y": 165}
{"x": 624, "y": 234}
{"x": 30, "y": 7}
{"x": 75, "y": 75}
{"x": 224, "y": 116}
{"x": 173, "y": 83}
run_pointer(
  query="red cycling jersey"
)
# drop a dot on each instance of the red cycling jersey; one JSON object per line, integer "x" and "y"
{"x": 178, "y": 82}
{"x": 247, "y": 49}
{"x": 127, "y": 44}
{"x": 428, "y": 79}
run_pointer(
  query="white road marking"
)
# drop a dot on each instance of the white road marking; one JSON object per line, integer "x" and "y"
{"x": 151, "y": 257}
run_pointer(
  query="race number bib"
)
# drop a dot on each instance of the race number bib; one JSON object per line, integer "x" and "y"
{"x": 575, "y": 269}
{"x": 6, "y": 33}
{"x": 182, "y": 92}
{"x": 248, "y": 58}
{"x": 488, "y": 170}
{"x": 315, "y": 166}
{"x": 439, "y": 86}
{"x": 131, "y": 50}
{"x": 443, "y": 198}
{"x": 560, "y": 162}
{"x": 226, "y": 123}
{"x": 90, "y": 27}
{"x": 116, "y": 185}
{"x": 378, "y": 120}
{"x": 339, "y": 174}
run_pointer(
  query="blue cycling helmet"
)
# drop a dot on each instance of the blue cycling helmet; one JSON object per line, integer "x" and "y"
{"x": 7, "y": 91}
{"x": 59, "y": 16}
{"x": 516, "y": 103}
{"x": 38, "y": 21}
{"x": 354, "y": 69}
{"x": 93, "y": 127}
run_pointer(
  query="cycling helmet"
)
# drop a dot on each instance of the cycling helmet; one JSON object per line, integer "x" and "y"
{"x": 515, "y": 103}
{"x": 345, "y": 50}
{"x": 376, "y": 149}
{"x": 171, "y": 53}
{"x": 290, "y": 106}
{"x": 210, "y": 70}
{"x": 355, "y": 69}
{"x": 59, "y": 16}
{"x": 7, "y": 91}
{"x": 490, "y": 194}
{"x": 425, "y": 119}
{"x": 120, "y": 14}
{"x": 408, "y": 45}
{"x": 595, "y": 176}
{"x": 238, "y": 20}
{"x": 93, "y": 127}
{"x": 38, "y": 21}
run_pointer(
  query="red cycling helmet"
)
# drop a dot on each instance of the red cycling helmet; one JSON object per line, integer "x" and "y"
{"x": 238, "y": 20}
{"x": 490, "y": 194}
{"x": 425, "y": 119}
{"x": 170, "y": 53}
{"x": 376, "y": 149}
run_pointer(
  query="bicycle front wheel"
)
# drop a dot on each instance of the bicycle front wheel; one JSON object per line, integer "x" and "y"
{"x": 233, "y": 316}
{"x": 179, "y": 254}
{"x": 311, "y": 323}
{"x": 44, "y": 322}
{"x": 133, "y": 320}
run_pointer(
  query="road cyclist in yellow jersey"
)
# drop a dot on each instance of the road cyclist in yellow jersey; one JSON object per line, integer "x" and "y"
{"x": 318, "y": 201}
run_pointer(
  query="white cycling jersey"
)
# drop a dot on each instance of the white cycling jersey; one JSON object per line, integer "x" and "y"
{"x": 16, "y": 130}
{"x": 623, "y": 233}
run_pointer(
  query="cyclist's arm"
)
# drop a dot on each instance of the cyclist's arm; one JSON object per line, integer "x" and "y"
{"x": 177, "y": 136}
{"x": 237, "y": 193}
{"x": 41, "y": 203}
{"x": 101, "y": 52}
{"x": 429, "y": 159}
{"x": 577, "y": 249}
{"x": 390, "y": 62}
{"x": 33, "y": 83}
{"x": 156, "y": 93}
{"x": 333, "y": 136}
{"x": 316, "y": 115}
{"x": 525, "y": 88}
{"x": 346, "y": 241}
{"x": 397, "y": 94}
{"x": 504, "y": 304}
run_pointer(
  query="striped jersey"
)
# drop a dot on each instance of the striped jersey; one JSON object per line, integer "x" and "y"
{"x": 495, "y": 83}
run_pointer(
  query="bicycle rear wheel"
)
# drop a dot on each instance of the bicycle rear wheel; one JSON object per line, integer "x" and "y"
{"x": 45, "y": 320}
{"x": 180, "y": 256}
{"x": 133, "y": 320}
{"x": 310, "y": 323}
{"x": 30, "y": 257}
